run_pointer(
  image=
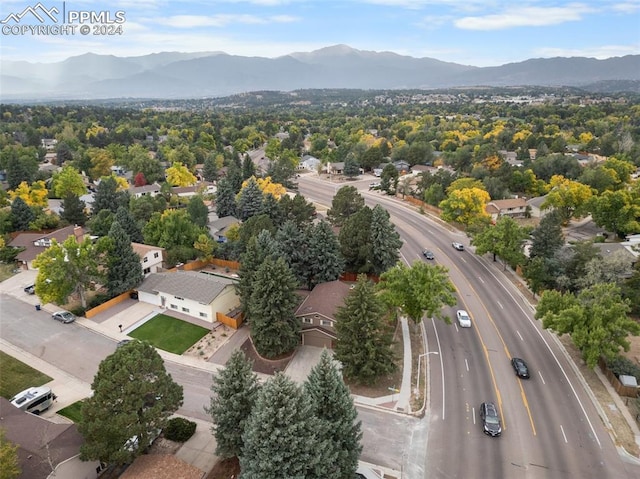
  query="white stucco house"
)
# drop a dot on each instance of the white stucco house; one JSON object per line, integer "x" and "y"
{"x": 200, "y": 295}
{"x": 151, "y": 257}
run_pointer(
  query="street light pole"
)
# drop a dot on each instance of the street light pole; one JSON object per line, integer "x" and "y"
{"x": 419, "y": 361}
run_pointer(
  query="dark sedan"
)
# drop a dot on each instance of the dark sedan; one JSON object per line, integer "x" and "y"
{"x": 520, "y": 367}
{"x": 428, "y": 254}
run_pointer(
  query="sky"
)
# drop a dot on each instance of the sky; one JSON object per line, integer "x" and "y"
{"x": 469, "y": 32}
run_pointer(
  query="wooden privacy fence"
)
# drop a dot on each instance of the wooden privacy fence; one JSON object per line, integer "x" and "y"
{"x": 233, "y": 322}
{"x": 106, "y": 305}
{"x": 621, "y": 389}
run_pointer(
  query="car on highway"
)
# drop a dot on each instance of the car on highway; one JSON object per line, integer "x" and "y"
{"x": 64, "y": 317}
{"x": 458, "y": 246}
{"x": 428, "y": 254}
{"x": 520, "y": 367}
{"x": 464, "y": 320}
{"x": 490, "y": 419}
{"x": 30, "y": 289}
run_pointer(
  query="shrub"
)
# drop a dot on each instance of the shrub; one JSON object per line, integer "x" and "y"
{"x": 79, "y": 311}
{"x": 179, "y": 429}
{"x": 98, "y": 299}
{"x": 623, "y": 366}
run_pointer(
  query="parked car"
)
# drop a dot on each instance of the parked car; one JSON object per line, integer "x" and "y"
{"x": 520, "y": 367}
{"x": 30, "y": 289}
{"x": 64, "y": 317}
{"x": 490, "y": 419}
{"x": 428, "y": 254}
{"x": 123, "y": 342}
{"x": 464, "y": 320}
{"x": 458, "y": 246}
{"x": 374, "y": 186}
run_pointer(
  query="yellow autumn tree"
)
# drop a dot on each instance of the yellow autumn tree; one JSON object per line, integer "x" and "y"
{"x": 465, "y": 205}
{"x": 268, "y": 187}
{"x": 179, "y": 175}
{"x": 569, "y": 197}
{"x": 35, "y": 194}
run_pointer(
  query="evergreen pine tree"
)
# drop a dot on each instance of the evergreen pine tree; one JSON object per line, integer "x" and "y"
{"x": 271, "y": 208}
{"x": 73, "y": 210}
{"x": 129, "y": 225}
{"x": 250, "y": 200}
{"x": 125, "y": 270}
{"x": 324, "y": 261}
{"x": 364, "y": 340}
{"x": 210, "y": 169}
{"x": 248, "y": 168}
{"x": 108, "y": 197}
{"x": 21, "y": 215}
{"x": 291, "y": 245}
{"x": 259, "y": 248}
{"x": 280, "y": 437}
{"x": 225, "y": 199}
{"x": 547, "y": 238}
{"x": 351, "y": 167}
{"x": 198, "y": 211}
{"x": 345, "y": 204}
{"x": 274, "y": 327}
{"x": 334, "y": 407}
{"x": 385, "y": 241}
{"x": 235, "y": 385}
{"x": 355, "y": 241}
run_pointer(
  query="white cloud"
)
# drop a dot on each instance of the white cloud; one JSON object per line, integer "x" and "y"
{"x": 193, "y": 21}
{"x": 525, "y": 17}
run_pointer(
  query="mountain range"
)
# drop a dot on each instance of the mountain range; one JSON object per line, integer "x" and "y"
{"x": 214, "y": 74}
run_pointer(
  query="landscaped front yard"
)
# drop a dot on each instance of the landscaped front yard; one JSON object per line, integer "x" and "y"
{"x": 169, "y": 334}
{"x": 16, "y": 376}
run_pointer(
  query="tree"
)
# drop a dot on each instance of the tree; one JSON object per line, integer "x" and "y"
{"x": 21, "y": 165}
{"x": 258, "y": 250}
{"x": 464, "y": 205}
{"x": 249, "y": 200}
{"x": 235, "y": 384}
{"x": 355, "y": 241}
{"x": 210, "y": 169}
{"x": 389, "y": 179}
{"x": 274, "y": 327}
{"x": 505, "y": 240}
{"x": 170, "y": 229}
{"x": 617, "y": 211}
{"x": 334, "y": 407}
{"x": 124, "y": 271}
{"x": 570, "y": 198}
{"x": 206, "y": 246}
{"x": 100, "y": 224}
{"x": 613, "y": 268}
{"x": 35, "y": 194}
{"x": 133, "y": 397}
{"x": 9, "y": 464}
{"x": 139, "y": 179}
{"x": 344, "y": 204}
{"x": 539, "y": 274}
{"x": 129, "y": 225}
{"x": 73, "y": 210}
{"x": 418, "y": 290}
{"x": 67, "y": 268}
{"x": 179, "y": 175}
{"x": 324, "y": 261}
{"x": 385, "y": 241}
{"x": 351, "y": 168}
{"x": 363, "y": 343}
{"x": 225, "y": 199}
{"x": 108, "y": 197}
{"x": 291, "y": 245}
{"x": 547, "y": 238}
{"x": 248, "y": 168}
{"x": 68, "y": 180}
{"x": 198, "y": 211}
{"x": 597, "y": 320}
{"x": 21, "y": 215}
{"x": 297, "y": 209}
{"x": 280, "y": 436}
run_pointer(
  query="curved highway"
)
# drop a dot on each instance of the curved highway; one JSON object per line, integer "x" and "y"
{"x": 551, "y": 429}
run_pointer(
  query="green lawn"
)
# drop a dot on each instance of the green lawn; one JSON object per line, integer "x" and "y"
{"x": 169, "y": 334}
{"x": 72, "y": 411}
{"x": 16, "y": 376}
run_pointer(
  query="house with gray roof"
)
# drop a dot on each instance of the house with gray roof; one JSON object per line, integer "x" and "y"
{"x": 197, "y": 294}
{"x": 317, "y": 313}
{"x": 46, "y": 450}
{"x": 219, "y": 227}
{"x": 535, "y": 206}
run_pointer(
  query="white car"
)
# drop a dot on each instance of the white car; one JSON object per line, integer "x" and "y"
{"x": 464, "y": 320}
{"x": 458, "y": 246}
{"x": 64, "y": 316}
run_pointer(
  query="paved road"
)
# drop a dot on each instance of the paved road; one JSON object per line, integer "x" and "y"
{"x": 551, "y": 429}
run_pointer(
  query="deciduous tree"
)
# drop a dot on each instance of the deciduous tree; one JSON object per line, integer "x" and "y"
{"x": 505, "y": 239}
{"x": 569, "y": 197}
{"x": 464, "y": 205}
{"x": 35, "y": 194}
{"x": 179, "y": 175}
{"x": 68, "y": 180}
{"x": 133, "y": 398}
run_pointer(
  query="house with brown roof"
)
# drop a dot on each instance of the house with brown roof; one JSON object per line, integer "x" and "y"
{"x": 317, "y": 313}
{"x": 36, "y": 243}
{"x": 513, "y": 207}
{"x": 197, "y": 294}
{"x": 151, "y": 257}
{"x": 46, "y": 450}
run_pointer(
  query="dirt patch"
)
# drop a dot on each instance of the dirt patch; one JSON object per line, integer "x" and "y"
{"x": 164, "y": 447}
{"x": 263, "y": 365}
{"x": 210, "y": 342}
{"x": 225, "y": 469}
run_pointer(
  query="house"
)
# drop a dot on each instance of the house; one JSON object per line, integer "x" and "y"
{"x": 151, "y": 257}
{"x": 199, "y": 295}
{"x": 204, "y": 187}
{"x": 513, "y": 207}
{"x": 48, "y": 143}
{"x": 402, "y": 166}
{"x": 46, "y": 450}
{"x": 317, "y": 313}
{"x": 219, "y": 228}
{"x": 535, "y": 206}
{"x": 619, "y": 249}
{"x": 335, "y": 168}
{"x": 309, "y": 163}
{"x": 36, "y": 243}
{"x": 146, "y": 190}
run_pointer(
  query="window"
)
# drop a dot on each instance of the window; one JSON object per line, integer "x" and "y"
{"x": 326, "y": 322}
{"x": 186, "y": 310}
{"x": 173, "y": 306}
{"x": 307, "y": 320}
{"x": 155, "y": 255}
{"x": 146, "y": 270}
{"x": 204, "y": 315}
{"x": 145, "y": 259}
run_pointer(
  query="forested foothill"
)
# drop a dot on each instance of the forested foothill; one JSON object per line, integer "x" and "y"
{"x": 578, "y": 152}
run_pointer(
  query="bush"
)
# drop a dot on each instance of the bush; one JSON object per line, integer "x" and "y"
{"x": 98, "y": 299}
{"x": 79, "y": 311}
{"x": 179, "y": 429}
{"x": 623, "y": 366}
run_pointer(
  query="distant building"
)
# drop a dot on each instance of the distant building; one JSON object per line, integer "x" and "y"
{"x": 36, "y": 243}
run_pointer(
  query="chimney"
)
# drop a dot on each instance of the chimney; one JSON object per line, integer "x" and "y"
{"x": 78, "y": 233}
